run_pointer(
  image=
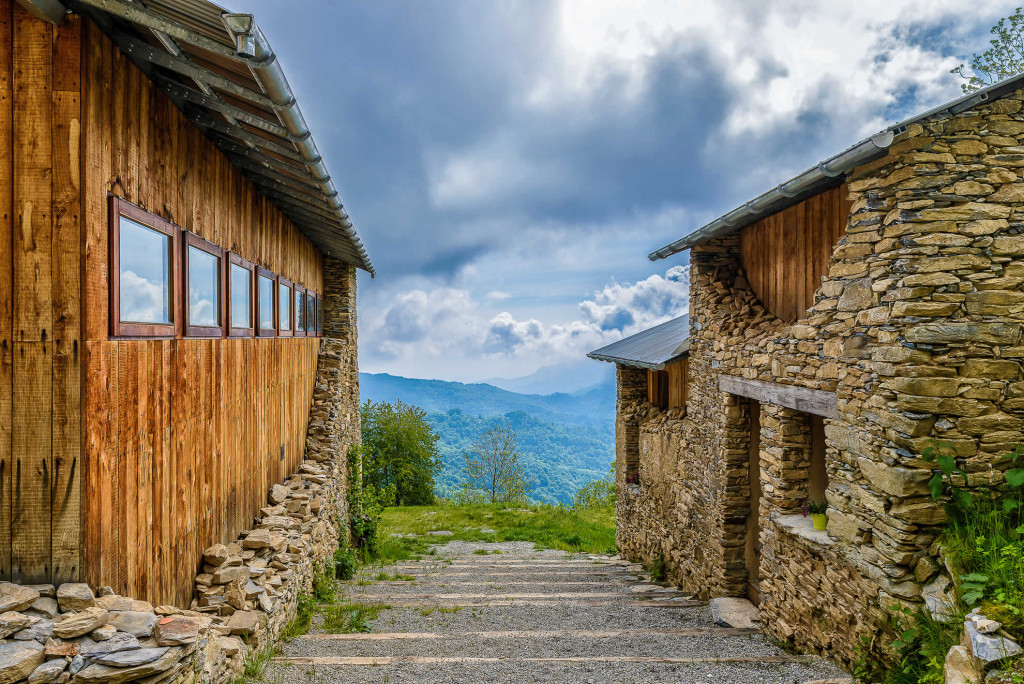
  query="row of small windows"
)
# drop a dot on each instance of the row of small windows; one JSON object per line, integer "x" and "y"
{"x": 213, "y": 292}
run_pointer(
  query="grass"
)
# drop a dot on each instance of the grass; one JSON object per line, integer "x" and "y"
{"x": 553, "y": 527}
{"x": 350, "y": 618}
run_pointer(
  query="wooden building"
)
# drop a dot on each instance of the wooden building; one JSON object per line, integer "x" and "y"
{"x": 838, "y": 325}
{"x": 166, "y": 232}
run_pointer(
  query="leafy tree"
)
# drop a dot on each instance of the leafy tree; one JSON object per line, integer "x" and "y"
{"x": 1004, "y": 59}
{"x": 399, "y": 453}
{"x": 493, "y": 471}
{"x": 599, "y": 493}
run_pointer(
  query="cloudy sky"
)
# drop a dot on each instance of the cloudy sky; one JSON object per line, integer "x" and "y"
{"x": 509, "y": 164}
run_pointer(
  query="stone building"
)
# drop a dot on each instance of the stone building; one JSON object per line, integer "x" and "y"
{"x": 838, "y": 323}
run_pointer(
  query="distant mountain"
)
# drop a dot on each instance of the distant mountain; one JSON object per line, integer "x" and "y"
{"x": 569, "y": 376}
{"x": 566, "y": 439}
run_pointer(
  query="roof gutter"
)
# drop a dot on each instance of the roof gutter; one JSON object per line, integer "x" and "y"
{"x": 252, "y": 44}
{"x": 814, "y": 180}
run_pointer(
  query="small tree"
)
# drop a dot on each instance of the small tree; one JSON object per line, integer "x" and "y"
{"x": 493, "y": 471}
{"x": 399, "y": 453}
{"x": 1004, "y": 59}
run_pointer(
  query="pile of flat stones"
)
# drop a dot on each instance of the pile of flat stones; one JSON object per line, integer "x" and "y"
{"x": 247, "y": 591}
{"x": 66, "y": 633}
{"x": 984, "y": 645}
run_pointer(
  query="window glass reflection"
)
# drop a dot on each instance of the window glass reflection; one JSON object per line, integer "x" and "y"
{"x": 285, "y": 310}
{"x": 203, "y": 288}
{"x": 300, "y": 313}
{"x": 266, "y": 303}
{"x": 145, "y": 264}
{"x": 241, "y": 296}
{"x": 311, "y": 313}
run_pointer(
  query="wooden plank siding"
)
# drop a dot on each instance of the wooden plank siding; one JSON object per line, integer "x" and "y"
{"x": 786, "y": 254}
{"x": 122, "y": 459}
{"x": 183, "y": 437}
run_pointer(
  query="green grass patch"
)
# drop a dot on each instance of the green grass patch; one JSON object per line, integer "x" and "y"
{"x": 299, "y": 625}
{"x": 590, "y": 530}
{"x": 393, "y": 577}
{"x": 448, "y": 610}
{"x": 350, "y": 618}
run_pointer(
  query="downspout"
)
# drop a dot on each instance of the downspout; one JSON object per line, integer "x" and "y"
{"x": 252, "y": 44}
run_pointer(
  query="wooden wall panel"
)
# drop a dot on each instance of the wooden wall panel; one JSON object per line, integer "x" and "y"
{"x": 6, "y": 280}
{"x": 678, "y": 382}
{"x": 786, "y": 254}
{"x": 182, "y": 437}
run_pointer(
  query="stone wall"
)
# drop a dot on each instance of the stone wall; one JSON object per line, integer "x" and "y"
{"x": 916, "y": 329}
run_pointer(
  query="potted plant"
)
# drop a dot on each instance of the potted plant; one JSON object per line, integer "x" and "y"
{"x": 817, "y": 510}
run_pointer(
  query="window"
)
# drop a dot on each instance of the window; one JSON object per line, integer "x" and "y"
{"x": 204, "y": 275}
{"x": 310, "y": 314}
{"x": 300, "y": 310}
{"x": 143, "y": 272}
{"x": 657, "y": 388}
{"x": 320, "y": 316}
{"x": 266, "y": 284}
{"x": 284, "y": 307}
{"x": 240, "y": 308}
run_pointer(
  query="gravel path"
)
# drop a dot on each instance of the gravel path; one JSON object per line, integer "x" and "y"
{"x": 526, "y": 615}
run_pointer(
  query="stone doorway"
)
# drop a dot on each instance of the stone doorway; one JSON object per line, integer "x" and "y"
{"x": 752, "y": 544}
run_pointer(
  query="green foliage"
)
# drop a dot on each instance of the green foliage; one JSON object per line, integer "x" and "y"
{"x": 920, "y": 646}
{"x": 364, "y": 534}
{"x": 558, "y": 457}
{"x": 556, "y": 527}
{"x": 350, "y": 618}
{"x": 299, "y": 625}
{"x": 324, "y": 589}
{"x": 344, "y": 563}
{"x": 657, "y": 568}
{"x": 813, "y": 507}
{"x": 598, "y": 493}
{"x": 493, "y": 471}
{"x": 1005, "y": 57}
{"x": 399, "y": 453}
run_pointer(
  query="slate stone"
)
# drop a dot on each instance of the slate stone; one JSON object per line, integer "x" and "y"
{"x": 77, "y": 624}
{"x": 15, "y": 597}
{"x": 107, "y": 674}
{"x": 133, "y": 622}
{"x": 734, "y": 612}
{"x": 139, "y": 656}
{"x": 103, "y": 633}
{"x": 47, "y": 672}
{"x": 40, "y": 632}
{"x": 278, "y": 494}
{"x": 114, "y": 602}
{"x": 257, "y": 539}
{"x": 59, "y": 647}
{"x": 47, "y": 590}
{"x": 18, "y": 659}
{"x": 121, "y": 641}
{"x": 987, "y": 648}
{"x": 244, "y": 622}
{"x": 75, "y": 596}
{"x": 11, "y": 622}
{"x": 959, "y": 667}
{"x": 937, "y": 599}
{"x": 216, "y": 554}
{"x": 44, "y": 606}
{"x": 230, "y": 574}
{"x": 76, "y": 664}
{"x": 176, "y": 631}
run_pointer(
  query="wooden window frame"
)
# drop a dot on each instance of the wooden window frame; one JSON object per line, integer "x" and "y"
{"x": 281, "y": 280}
{"x": 203, "y": 331}
{"x": 319, "y": 316}
{"x": 119, "y": 207}
{"x": 310, "y": 313}
{"x": 253, "y": 283}
{"x": 299, "y": 291}
{"x": 266, "y": 273}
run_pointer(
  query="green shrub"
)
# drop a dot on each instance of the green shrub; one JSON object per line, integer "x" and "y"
{"x": 657, "y": 568}
{"x": 599, "y": 493}
{"x": 324, "y": 589}
{"x": 344, "y": 563}
{"x": 364, "y": 534}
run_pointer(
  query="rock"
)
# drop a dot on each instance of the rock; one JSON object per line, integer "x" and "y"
{"x": 986, "y": 626}
{"x": 257, "y": 539}
{"x": 11, "y": 622}
{"x": 139, "y": 656}
{"x": 40, "y": 632}
{"x": 121, "y": 641}
{"x": 230, "y": 574}
{"x": 986, "y": 647}
{"x": 441, "y": 533}
{"x": 16, "y": 597}
{"x": 244, "y": 622}
{"x": 104, "y": 591}
{"x": 133, "y": 622}
{"x": 114, "y": 602}
{"x": 895, "y": 480}
{"x": 278, "y": 494}
{"x": 252, "y": 590}
{"x": 44, "y": 606}
{"x": 734, "y": 612}
{"x": 176, "y": 631}
{"x": 77, "y": 624}
{"x": 47, "y": 672}
{"x": 216, "y": 554}
{"x": 230, "y": 646}
{"x": 937, "y": 600}
{"x": 107, "y": 674}
{"x": 960, "y": 667}
{"x": 103, "y": 633}
{"x": 19, "y": 658}
{"x": 76, "y": 664}
{"x": 75, "y": 596}
{"x": 58, "y": 647}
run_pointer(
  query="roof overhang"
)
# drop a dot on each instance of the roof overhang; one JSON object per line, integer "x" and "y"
{"x": 218, "y": 68}
{"x": 828, "y": 173}
{"x": 652, "y": 349}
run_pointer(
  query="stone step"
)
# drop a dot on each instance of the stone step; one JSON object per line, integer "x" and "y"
{"x": 486, "y": 600}
{"x": 535, "y": 634}
{"x": 547, "y": 596}
{"x": 335, "y": 661}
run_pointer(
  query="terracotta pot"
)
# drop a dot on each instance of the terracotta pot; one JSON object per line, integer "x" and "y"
{"x": 820, "y": 520}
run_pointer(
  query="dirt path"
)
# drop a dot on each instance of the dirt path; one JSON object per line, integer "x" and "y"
{"x": 534, "y": 616}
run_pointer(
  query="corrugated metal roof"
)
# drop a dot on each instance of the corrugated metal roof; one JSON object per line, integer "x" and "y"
{"x": 219, "y": 70}
{"x": 828, "y": 173}
{"x": 651, "y": 348}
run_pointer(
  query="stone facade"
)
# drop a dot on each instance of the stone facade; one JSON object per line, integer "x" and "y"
{"x": 916, "y": 329}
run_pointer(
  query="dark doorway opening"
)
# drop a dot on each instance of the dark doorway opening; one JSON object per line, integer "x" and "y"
{"x": 752, "y": 549}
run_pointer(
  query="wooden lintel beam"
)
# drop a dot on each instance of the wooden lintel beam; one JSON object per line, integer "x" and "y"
{"x": 818, "y": 402}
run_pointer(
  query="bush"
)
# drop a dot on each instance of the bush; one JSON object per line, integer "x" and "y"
{"x": 364, "y": 534}
{"x": 598, "y": 493}
{"x": 344, "y": 563}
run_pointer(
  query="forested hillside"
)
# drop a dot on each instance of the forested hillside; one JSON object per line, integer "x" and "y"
{"x": 566, "y": 440}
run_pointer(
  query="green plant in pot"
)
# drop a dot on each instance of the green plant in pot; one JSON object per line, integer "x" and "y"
{"x": 817, "y": 511}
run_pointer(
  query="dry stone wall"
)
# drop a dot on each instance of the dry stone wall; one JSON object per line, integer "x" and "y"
{"x": 916, "y": 329}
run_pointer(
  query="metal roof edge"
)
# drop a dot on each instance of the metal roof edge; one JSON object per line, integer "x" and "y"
{"x": 825, "y": 173}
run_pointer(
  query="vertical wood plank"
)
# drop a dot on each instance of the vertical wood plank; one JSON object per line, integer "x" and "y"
{"x": 6, "y": 282}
